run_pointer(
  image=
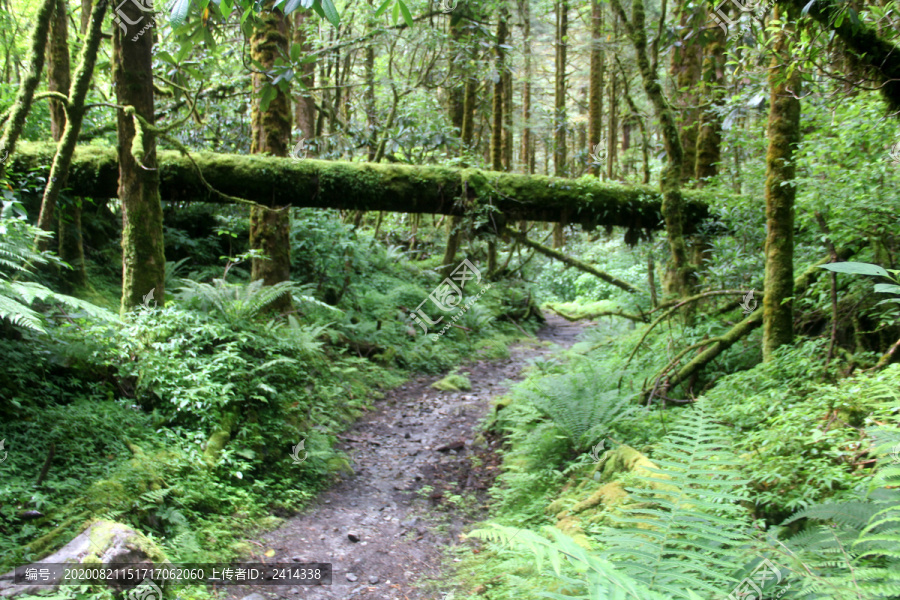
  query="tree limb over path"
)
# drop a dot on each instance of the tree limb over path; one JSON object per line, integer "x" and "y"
{"x": 368, "y": 186}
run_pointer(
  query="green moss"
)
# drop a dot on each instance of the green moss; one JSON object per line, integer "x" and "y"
{"x": 453, "y": 382}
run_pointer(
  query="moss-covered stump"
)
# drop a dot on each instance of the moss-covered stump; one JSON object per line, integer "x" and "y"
{"x": 102, "y": 543}
{"x": 589, "y": 496}
{"x": 276, "y": 182}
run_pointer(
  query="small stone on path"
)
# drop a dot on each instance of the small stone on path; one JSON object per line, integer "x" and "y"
{"x": 353, "y": 536}
{"x": 373, "y": 579}
{"x": 349, "y": 576}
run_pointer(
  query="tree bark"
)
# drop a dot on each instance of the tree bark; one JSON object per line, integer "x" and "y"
{"x": 19, "y": 110}
{"x": 271, "y": 133}
{"x": 527, "y": 151}
{"x": 559, "y": 104}
{"x": 305, "y": 104}
{"x": 686, "y": 62}
{"x": 680, "y": 272}
{"x": 62, "y": 160}
{"x": 497, "y": 101}
{"x": 595, "y": 99}
{"x": 143, "y": 252}
{"x": 784, "y": 135}
{"x": 712, "y": 88}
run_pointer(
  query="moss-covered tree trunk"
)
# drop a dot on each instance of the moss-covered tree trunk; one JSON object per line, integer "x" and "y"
{"x": 71, "y": 127}
{"x": 468, "y": 122}
{"x": 712, "y": 89}
{"x": 143, "y": 253}
{"x": 271, "y": 133}
{"x": 454, "y": 234}
{"x": 71, "y": 241}
{"x": 58, "y": 68}
{"x": 497, "y": 100}
{"x": 527, "y": 147}
{"x": 679, "y": 278}
{"x": 597, "y": 83}
{"x": 686, "y": 61}
{"x": 559, "y": 102}
{"x": 25, "y": 95}
{"x": 784, "y": 135}
{"x": 304, "y": 104}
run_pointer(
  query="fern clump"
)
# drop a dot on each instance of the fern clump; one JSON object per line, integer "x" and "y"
{"x": 582, "y": 403}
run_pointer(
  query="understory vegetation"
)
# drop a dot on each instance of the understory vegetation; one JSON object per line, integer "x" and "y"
{"x": 229, "y": 228}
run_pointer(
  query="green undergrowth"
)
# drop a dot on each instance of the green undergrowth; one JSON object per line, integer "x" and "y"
{"x": 206, "y": 421}
{"x": 602, "y": 496}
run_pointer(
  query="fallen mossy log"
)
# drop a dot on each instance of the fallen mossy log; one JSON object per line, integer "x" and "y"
{"x": 272, "y": 181}
{"x": 572, "y": 262}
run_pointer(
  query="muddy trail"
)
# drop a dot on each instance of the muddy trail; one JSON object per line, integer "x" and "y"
{"x": 387, "y": 527}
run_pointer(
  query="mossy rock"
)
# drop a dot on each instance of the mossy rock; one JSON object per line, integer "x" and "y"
{"x": 453, "y": 382}
{"x": 607, "y": 495}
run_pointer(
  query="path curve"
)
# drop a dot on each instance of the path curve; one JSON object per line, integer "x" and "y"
{"x": 411, "y": 454}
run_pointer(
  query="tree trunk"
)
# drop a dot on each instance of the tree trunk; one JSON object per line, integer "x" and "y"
{"x": 680, "y": 272}
{"x": 595, "y": 99}
{"x": 527, "y": 151}
{"x": 686, "y": 61}
{"x": 784, "y": 135}
{"x": 612, "y": 134}
{"x": 19, "y": 110}
{"x": 559, "y": 104}
{"x": 59, "y": 170}
{"x": 305, "y": 105}
{"x": 468, "y": 122}
{"x": 58, "y": 68}
{"x": 271, "y": 133}
{"x": 712, "y": 88}
{"x": 507, "y": 120}
{"x": 497, "y": 102}
{"x": 143, "y": 252}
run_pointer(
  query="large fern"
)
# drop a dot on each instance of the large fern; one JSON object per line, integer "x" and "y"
{"x": 580, "y": 403}
{"x": 682, "y": 533}
{"x": 17, "y": 260}
{"x": 240, "y": 301}
{"x": 684, "y": 529}
{"x": 852, "y": 548}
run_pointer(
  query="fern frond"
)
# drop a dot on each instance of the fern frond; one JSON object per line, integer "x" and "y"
{"x": 685, "y": 529}
{"x": 581, "y": 404}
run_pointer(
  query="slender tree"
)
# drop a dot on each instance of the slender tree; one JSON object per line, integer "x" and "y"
{"x": 527, "y": 148}
{"x": 25, "y": 95}
{"x": 559, "y": 103}
{"x": 680, "y": 271}
{"x": 784, "y": 135}
{"x": 712, "y": 88}
{"x": 598, "y": 75}
{"x": 270, "y": 228}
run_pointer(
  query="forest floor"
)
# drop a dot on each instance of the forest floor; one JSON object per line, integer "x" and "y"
{"x": 422, "y": 472}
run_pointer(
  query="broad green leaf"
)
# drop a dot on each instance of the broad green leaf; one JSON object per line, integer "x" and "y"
{"x": 887, "y": 288}
{"x": 405, "y": 12}
{"x": 292, "y": 5}
{"x": 383, "y": 7}
{"x": 856, "y": 268}
{"x": 396, "y": 14}
{"x": 806, "y": 8}
{"x": 179, "y": 12}
{"x": 331, "y": 12}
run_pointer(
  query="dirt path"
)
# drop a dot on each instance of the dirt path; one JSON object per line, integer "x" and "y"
{"x": 411, "y": 455}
